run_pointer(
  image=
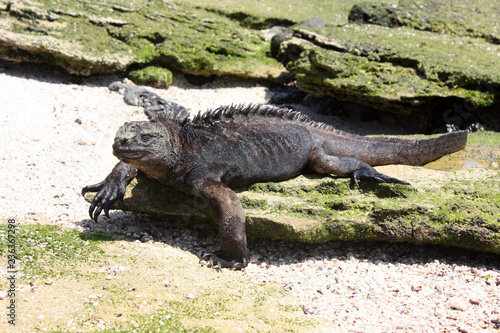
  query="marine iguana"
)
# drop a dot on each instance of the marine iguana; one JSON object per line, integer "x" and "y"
{"x": 235, "y": 146}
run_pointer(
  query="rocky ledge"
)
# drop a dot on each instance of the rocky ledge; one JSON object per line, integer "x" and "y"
{"x": 119, "y": 36}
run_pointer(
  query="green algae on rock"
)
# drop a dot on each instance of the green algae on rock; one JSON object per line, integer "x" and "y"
{"x": 392, "y": 69}
{"x": 263, "y": 14}
{"x": 86, "y": 38}
{"x": 437, "y": 55}
{"x": 153, "y": 76}
{"x": 473, "y": 18}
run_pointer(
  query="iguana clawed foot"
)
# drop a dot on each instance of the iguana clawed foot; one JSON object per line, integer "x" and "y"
{"x": 111, "y": 189}
{"x": 369, "y": 173}
{"x": 216, "y": 261}
{"x": 107, "y": 194}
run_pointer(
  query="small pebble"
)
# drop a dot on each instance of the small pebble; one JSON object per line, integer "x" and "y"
{"x": 458, "y": 304}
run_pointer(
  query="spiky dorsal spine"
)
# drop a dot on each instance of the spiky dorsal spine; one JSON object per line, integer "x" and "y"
{"x": 232, "y": 112}
{"x": 165, "y": 116}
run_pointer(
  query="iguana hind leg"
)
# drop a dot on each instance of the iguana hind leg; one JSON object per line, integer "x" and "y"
{"x": 323, "y": 163}
{"x": 231, "y": 220}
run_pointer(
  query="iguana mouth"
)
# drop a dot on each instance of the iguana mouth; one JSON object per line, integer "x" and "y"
{"x": 129, "y": 153}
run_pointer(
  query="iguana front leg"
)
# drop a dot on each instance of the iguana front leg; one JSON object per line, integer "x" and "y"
{"x": 231, "y": 219}
{"x": 112, "y": 188}
{"x": 323, "y": 163}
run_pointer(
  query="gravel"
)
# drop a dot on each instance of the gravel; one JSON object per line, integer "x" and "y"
{"x": 57, "y": 132}
{"x": 384, "y": 287}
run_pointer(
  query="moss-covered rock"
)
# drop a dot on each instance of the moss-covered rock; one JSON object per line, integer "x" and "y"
{"x": 393, "y": 69}
{"x": 262, "y": 14}
{"x": 86, "y": 38}
{"x": 409, "y": 57}
{"x": 413, "y": 57}
{"x": 154, "y": 76}
{"x": 460, "y": 207}
{"x": 474, "y": 18}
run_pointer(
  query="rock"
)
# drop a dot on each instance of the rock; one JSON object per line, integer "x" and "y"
{"x": 462, "y": 18}
{"x": 458, "y": 304}
{"x": 451, "y": 208}
{"x": 374, "y": 13}
{"x": 265, "y": 13}
{"x": 69, "y": 54}
{"x": 419, "y": 58}
{"x": 415, "y": 58}
{"x": 104, "y": 38}
{"x": 398, "y": 70}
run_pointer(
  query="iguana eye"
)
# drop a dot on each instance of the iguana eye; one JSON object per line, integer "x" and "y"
{"x": 146, "y": 137}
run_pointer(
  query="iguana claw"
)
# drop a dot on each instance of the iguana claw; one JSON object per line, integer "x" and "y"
{"x": 217, "y": 262}
{"x": 370, "y": 173}
{"x": 109, "y": 191}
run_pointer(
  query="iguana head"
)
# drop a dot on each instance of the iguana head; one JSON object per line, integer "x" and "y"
{"x": 141, "y": 143}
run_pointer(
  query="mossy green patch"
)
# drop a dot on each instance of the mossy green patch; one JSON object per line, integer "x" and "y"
{"x": 44, "y": 250}
{"x": 485, "y": 138}
{"x": 453, "y": 60}
{"x": 392, "y": 69}
{"x": 154, "y": 76}
{"x": 87, "y": 38}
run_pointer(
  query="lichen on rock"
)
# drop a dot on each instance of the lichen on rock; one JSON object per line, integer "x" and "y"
{"x": 473, "y": 18}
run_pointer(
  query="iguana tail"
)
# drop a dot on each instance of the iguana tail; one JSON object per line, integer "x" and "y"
{"x": 380, "y": 151}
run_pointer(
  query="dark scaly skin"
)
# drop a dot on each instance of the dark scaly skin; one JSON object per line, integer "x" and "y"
{"x": 236, "y": 146}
